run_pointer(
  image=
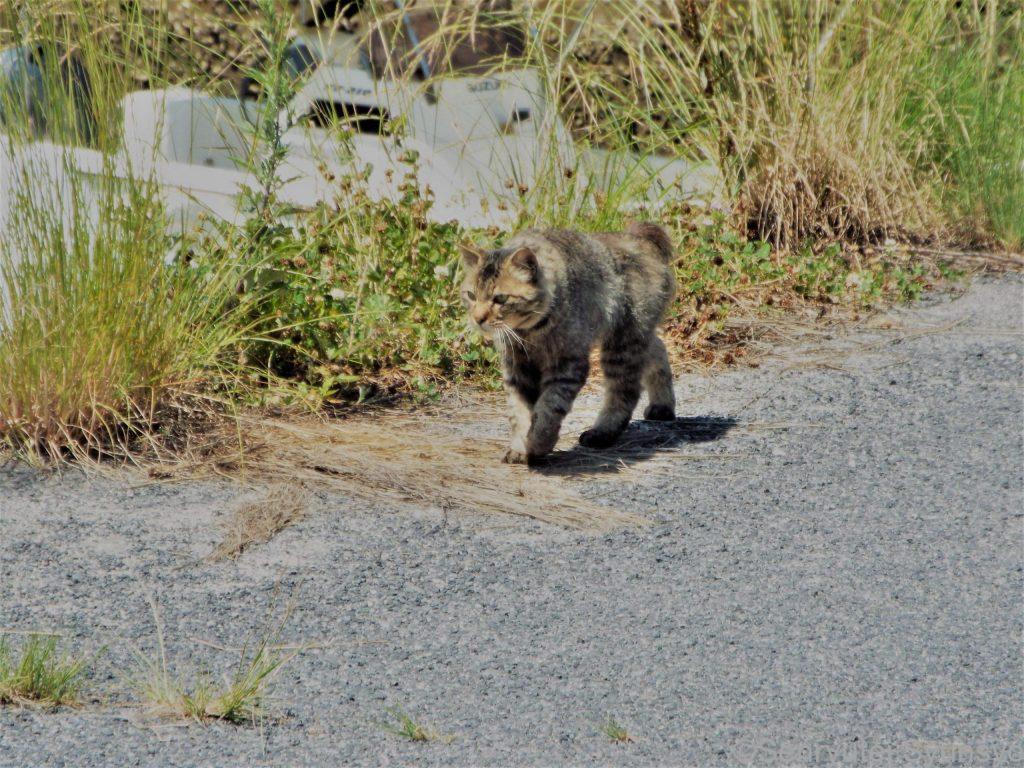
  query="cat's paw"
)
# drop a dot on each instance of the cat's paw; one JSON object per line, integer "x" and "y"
{"x": 512, "y": 456}
{"x": 598, "y": 438}
{"x": 656, "y": 412}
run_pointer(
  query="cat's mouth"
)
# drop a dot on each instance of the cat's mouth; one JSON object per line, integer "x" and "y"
{"x": 488, "y": 330}
{"x": 512, "y": 327}
{"x": 501, "y": 334}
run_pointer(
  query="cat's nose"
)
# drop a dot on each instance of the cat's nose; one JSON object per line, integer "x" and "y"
{"x": 479, "y": 314}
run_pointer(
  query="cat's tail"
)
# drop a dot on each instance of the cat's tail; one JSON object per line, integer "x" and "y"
{"x": 656, "y": 235}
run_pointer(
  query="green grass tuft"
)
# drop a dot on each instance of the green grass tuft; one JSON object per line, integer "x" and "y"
{"x": 239, "y": 698}
{"x": 98, "y": 335}
{"x": 401, "y": 724}
{"x": 615, "y": 731}
{"x": 972, "y": 118}
{"x": 36, "y": 674}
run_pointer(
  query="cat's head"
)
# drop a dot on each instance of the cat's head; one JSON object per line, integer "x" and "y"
{"x": 504, "y": 288}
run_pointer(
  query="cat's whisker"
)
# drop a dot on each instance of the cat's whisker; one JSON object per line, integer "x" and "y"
{"x": 516, "y": 338}
{"x": 512, "y": 339}
{"x": 499, "y": 340}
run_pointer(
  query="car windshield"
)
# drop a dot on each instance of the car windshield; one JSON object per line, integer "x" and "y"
{"x": 426, "y": 42}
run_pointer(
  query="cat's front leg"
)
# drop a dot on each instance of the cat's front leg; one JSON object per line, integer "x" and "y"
{"x": 520, "y": 414}
{"x": 558, "y": 389}
{"x": 522, "y": 385}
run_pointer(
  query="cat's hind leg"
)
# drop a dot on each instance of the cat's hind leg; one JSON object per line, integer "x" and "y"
{"x": 622, "y": 360}
{"x": 657, "y": 381}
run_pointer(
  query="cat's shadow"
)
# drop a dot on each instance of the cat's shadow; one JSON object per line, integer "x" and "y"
{"x": 641, "y": 441}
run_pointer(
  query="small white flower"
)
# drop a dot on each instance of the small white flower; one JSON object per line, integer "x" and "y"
{"x": 337, "y": 294}
{"x": 441, "y": 272}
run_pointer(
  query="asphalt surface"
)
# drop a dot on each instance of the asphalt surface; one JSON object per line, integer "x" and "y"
{"x": 833, "y": 576}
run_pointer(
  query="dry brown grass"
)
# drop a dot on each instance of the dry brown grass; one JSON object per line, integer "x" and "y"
{"x": 257, "y": 522}
{"x": 409, "y": 458}
{"x": 432, "y": 458}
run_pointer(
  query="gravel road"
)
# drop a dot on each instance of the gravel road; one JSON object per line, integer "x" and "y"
{"x": 833, "y": 575}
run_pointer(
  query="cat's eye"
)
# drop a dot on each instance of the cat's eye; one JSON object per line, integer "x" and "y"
{"x": 470, "y": 295}
{"x": 500, "y": 298}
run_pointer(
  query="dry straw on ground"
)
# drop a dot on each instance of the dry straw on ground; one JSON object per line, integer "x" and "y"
{"x": 406, "y": 458}
{"x": 430, "y": 459}
{"x": 257, "y": 522}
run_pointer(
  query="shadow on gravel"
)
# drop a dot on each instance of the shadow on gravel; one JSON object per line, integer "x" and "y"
{"x": 641, "y": 441}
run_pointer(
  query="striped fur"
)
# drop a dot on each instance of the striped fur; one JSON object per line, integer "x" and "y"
{"x": 547, "y": 298}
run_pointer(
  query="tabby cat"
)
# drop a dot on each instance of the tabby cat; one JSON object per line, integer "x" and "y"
{"x": 547, "y": 298}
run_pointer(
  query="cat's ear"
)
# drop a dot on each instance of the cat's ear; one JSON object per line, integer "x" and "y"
{"x": 471, "y": 255}
{"x": 524, "y": 260}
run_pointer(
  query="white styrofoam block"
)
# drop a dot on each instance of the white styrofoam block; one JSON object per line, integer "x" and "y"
{"x": 185, "y": 126}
